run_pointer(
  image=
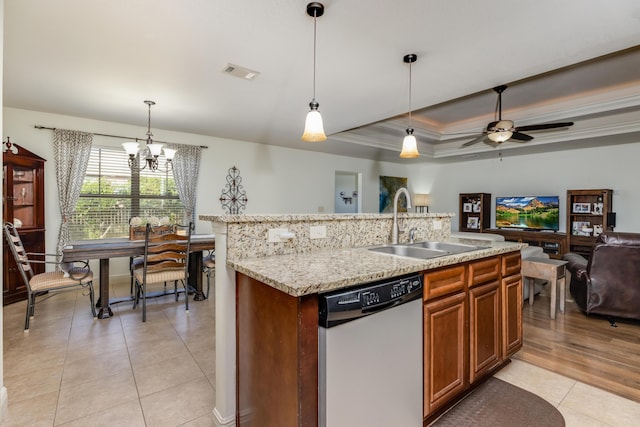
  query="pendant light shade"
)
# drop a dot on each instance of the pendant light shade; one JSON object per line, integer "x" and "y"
{"x": 409, "y": 144}
{"x": 313, "y": 127}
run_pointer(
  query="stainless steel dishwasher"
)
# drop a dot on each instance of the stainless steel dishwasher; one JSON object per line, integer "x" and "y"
{"x": 370, "y": 355}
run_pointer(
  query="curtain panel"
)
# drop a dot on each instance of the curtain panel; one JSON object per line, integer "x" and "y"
{"x": 71, "y": 150}
{"x": 186, "y": 165}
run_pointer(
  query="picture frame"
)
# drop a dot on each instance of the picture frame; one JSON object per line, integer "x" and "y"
{"x": 473, "y": 222}
{"x": 584, "y": 208}
{"x": 597, "y": 230}
{"x": 598, "y": 208}
{"x": 476, "y": 206}
{"x": 467, "y": 207}
{"x": 578, "y": 228}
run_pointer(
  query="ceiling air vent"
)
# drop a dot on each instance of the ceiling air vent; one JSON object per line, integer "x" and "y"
{"x": 238, "y": 71}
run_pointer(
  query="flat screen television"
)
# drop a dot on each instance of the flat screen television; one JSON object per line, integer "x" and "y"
{"x": 528, "y": 212}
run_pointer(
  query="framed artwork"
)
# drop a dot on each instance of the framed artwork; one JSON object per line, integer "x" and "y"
{"x": 389, "y": 185}
{"x": 467, "y": 207}
{"x": 582, "y": 208}
{"x": 473, "y": 222}
{"x": 581, "y": 228}
{"x": 476, "y": 206}
{"x": 598, "y": 208}
{"x": 597, "y": 230}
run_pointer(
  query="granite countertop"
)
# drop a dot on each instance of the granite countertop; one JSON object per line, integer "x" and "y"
{"x": 309, "y": 273}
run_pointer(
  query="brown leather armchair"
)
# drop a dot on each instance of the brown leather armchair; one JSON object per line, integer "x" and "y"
{"x": 609, "y": 282}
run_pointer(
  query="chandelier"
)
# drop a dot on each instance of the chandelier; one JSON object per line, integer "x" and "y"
{"x": 150, "y": 152}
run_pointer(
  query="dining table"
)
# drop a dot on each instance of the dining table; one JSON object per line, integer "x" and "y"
{"x": 105, "y": 249}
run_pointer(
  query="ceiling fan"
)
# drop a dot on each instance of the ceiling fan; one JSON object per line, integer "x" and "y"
{"x": 503, "y": 130}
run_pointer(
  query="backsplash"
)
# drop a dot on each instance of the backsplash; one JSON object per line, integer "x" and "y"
{"x": 247, "y": 235}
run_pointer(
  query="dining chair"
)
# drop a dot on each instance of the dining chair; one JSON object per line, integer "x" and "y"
{"x": 165, "y": 259}
{"x": 73, "y": 277}
{"x": 209, "y": 268}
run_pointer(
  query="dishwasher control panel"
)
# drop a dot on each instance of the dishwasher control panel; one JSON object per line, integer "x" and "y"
{"x": 362, "y": 300}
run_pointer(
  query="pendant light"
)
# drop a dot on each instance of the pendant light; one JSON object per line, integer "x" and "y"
{"x": 409, "y": 144}
{"x": 313, "y": 128}
{"x": 151, "y": 152}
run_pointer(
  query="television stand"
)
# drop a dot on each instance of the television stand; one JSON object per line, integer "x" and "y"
{"x": 554, "y": 244}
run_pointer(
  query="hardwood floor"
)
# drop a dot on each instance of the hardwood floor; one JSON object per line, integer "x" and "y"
{"x": 587, "y": 349}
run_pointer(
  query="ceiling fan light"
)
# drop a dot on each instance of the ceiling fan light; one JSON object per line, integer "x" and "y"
{"x": 409, "y": 146}
{"x": 502, "y": 131}
{"x": 313, "y": 127}
{"x": 500, "y": 136}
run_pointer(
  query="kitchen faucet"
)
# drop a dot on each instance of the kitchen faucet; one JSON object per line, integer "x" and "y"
{"x": 394, "y": 230}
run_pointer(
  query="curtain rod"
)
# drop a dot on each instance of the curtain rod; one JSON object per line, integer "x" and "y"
{"x": 119, "y": 136}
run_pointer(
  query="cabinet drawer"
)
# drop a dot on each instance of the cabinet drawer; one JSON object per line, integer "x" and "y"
{"x": 443, "y": 282}
{"x": 511, "y": 264}
{"x": 484, "y": 271}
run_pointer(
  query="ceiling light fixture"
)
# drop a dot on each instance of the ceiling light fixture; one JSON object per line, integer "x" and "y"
{"x": 503, "y": 129}
{"x": 151, "y": 152}
{"x": 313, "y": 127}
{"x": 409, "y": 144}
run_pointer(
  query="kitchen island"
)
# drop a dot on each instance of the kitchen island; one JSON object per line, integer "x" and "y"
{"x": 275, "y": 297}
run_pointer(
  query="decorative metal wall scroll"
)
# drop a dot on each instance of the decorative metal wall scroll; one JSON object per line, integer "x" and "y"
{"x": 233, "y": 198}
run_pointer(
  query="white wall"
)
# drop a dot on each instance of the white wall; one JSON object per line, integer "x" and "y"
{"x": 549, "y": 174}
{"x": 276, "y": 180}
{"x": 281, "y": 180}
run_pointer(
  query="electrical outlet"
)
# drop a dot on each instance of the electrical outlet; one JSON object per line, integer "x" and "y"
{"x": 274, "y": 234}
{"x": 437, "y": 225}
{"x": 318, "y": 232}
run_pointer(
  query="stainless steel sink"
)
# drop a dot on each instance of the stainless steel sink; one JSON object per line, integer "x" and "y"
{"x": 410, "y": 251}
{"x": 452, "y": 248}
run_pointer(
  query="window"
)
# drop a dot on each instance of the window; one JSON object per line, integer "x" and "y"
{"x": 111, "y": 194}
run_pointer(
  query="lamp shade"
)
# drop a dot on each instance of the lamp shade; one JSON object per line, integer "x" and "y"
{"x": 155, "y": 149}
{"x": 131, "y": 148}
{"x": 313, "y": 127}
{"x": 409, "y": 146}
{"x": 169, "y": 153}
{"x": 421, "y": 199}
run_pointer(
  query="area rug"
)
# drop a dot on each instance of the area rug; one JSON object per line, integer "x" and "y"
{"x": 496, "y": 403}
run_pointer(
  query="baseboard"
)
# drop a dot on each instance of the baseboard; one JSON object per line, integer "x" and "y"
{"x": 4, "y": 404}
{"x": 221, "y": 421}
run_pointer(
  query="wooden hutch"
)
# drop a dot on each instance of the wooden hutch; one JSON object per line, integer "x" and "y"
{"x": 22, "y": 205}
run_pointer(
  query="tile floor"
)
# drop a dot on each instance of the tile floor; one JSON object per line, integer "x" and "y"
{"x": 71, "y": 370}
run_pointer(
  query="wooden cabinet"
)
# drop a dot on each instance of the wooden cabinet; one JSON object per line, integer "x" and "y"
{"x": 472, "y": 325}
{"x": 23, "y": 205}
{"x": 445, "y": 351}
{"x": 484, "y": 317}
{"x": 554, "y": 244}
{"x": 588, "y": 215}
{"x": 475, "y": 212}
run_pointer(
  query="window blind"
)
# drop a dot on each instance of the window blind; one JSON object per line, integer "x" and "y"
{"x": 112, "y": 194}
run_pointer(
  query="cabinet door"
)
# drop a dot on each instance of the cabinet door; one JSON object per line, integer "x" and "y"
{"x": 511, "y": 315}
{"x": 484, "y": 329}
{"x": 444, "y": 350}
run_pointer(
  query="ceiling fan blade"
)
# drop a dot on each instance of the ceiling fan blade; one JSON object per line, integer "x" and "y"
{"x": 521, "y": 137}
{"x": 474, "y": 141}
{"x": 544, "y": 126}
